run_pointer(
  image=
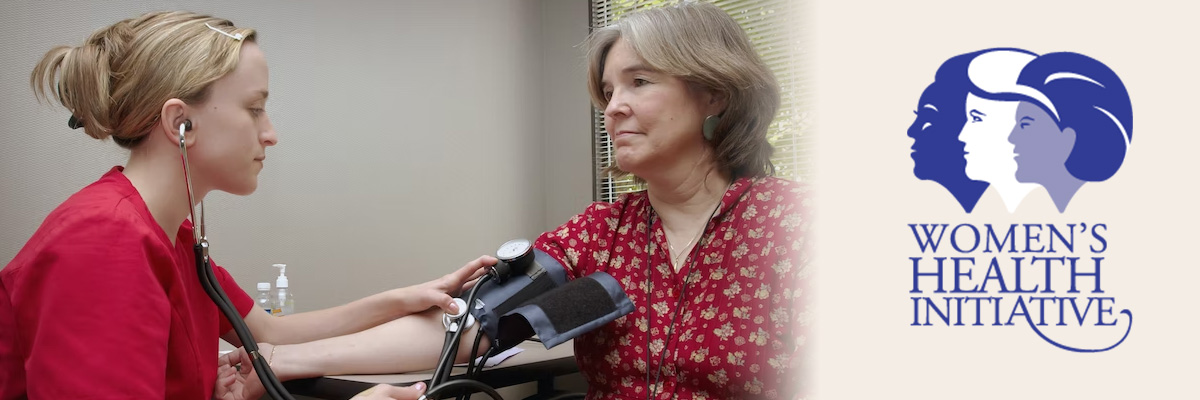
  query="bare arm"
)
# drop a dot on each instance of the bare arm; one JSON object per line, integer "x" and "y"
{"x": 411, "y": 343}
{"x": 364, "y": 313}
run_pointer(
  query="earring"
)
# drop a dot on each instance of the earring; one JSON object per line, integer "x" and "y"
{"x": 710, "y": 126}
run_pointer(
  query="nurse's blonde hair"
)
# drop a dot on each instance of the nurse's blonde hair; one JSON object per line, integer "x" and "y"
{"x": 115, "y": 84}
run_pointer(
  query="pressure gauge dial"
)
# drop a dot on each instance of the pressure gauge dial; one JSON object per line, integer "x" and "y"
{"x": 515, "y": 256}
{"x": 511, "y": 250}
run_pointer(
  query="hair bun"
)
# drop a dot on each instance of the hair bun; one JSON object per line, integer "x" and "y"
{"x": 112, "y": 42}
{"x": 115, "y": 83}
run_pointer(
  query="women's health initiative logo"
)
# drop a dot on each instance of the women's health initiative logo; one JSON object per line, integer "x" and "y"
{"x": 1014, "y": 120}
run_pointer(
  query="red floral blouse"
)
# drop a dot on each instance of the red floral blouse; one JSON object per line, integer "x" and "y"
{"x": 743, "y": 320}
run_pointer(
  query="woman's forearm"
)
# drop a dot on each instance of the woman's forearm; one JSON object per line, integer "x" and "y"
{"x": 337, "y": 321}
{"x": 410, "y": 343}
{"x": 369, "y": 311}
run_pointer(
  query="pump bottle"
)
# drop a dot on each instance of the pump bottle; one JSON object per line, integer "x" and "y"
{"x": 283, "y": 302}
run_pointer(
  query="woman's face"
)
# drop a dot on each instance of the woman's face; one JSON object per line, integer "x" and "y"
{"x": 231, "y": 128}
{"x": 988, "y": 152}
{"x": 1040, "y": 147}
{"x": 937, "y": 153}
{"x": 654, "y": 119}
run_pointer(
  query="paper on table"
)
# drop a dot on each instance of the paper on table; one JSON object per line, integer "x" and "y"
{"x": 496, "y": 359}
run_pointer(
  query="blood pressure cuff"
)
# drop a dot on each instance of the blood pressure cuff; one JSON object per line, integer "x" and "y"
{"x": 542, "y": 302}
{"x": 576, "y": 308}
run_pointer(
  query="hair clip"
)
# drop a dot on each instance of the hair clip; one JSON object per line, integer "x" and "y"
{"x": 237, "y": 36}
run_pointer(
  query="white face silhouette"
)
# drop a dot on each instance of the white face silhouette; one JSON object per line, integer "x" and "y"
{"x": 989, "y": 153}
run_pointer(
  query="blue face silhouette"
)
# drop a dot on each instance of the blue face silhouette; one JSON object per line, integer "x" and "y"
{"x": 938, "y": 154}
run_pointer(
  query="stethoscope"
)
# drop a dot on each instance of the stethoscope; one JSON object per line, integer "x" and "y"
{"x": 204, "y": 271}
{"x": 455, "y": 324}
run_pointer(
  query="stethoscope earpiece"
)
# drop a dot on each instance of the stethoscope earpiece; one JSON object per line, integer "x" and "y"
{"x": 185, "y": 126}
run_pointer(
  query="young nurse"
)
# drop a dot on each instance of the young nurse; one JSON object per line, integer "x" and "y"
{"x": 103, "y": 301}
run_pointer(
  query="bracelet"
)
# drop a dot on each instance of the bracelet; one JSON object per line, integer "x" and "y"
{"x": 272, "y": 356}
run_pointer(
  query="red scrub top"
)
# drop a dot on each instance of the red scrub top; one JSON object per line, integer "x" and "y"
{"x": 100, "y": 305}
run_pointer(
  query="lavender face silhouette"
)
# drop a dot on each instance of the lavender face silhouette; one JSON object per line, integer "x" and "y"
{"x": 1076, "y": 128}
{"x": 1042, "y": 150}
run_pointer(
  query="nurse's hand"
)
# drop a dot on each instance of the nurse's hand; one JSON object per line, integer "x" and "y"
{"x": 236, "y": 379}
{"x": 384, "y": 391}
{"x": 241, "y": 383}
{"x": 441, "y": 291}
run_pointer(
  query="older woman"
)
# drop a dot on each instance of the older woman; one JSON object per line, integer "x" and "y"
{"x": 712, "y": 253}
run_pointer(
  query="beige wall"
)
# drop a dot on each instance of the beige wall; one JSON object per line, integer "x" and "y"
{"x": 414, "y": 136}
{"x": 567, "y": 110}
